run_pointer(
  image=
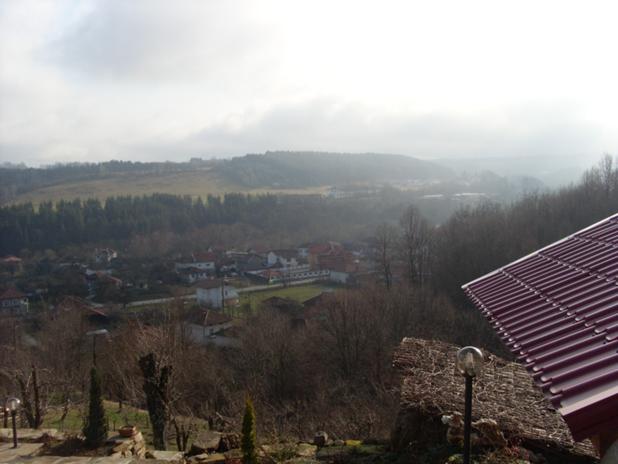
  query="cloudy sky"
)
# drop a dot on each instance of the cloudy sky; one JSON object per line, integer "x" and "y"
{"x": 88, "y": 80}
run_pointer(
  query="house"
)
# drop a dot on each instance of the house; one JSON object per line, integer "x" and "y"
{"x": 318, "y": 253}
{"x": 303, "y": 252}
{"x": 11, "y": 264}
{"x": 202, "y": 261}
{"x": 281, "y": 275}
{"x": 265, "y": 276}
{"x": 190, "y": 275}
{"x": 208, "y": 323}
{"x": 13, "y": 303}
{"x": 249, "y": 262}
{"x": 208, "y": 328}
{"x": 557, "y": 311}
{"x": 95, "y": 314}
{"x": 286, "y": 258}
{"x": 216, "y": 293}
{"x": 104, "y": 255}
{"x": 107, "y": 278}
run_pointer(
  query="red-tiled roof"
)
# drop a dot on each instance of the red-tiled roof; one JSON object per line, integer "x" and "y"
{"x": 12, "y": 294}
{"x": 207, "y": 257}
{"x": 325, "y": 248}
{"x": 557, "y": 310}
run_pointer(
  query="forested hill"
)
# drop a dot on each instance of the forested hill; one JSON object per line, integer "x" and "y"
{"x": 305, "y": 169}
{"x": 270, "y": 171}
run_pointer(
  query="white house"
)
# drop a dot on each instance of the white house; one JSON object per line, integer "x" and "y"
{"x": 287, "y": 258}
{"x": 191, "y": 275}
{"x": 207, "y": 324}
{"x": 201, "y": 261}
{"x": 13, "y": 302}
{"x": 104, "y": 255}
{"x": 216, "y": 293}
{"x": 340, "y": 277}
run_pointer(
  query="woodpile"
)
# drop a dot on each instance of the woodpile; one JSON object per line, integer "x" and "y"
{"x": 504, "y": 393}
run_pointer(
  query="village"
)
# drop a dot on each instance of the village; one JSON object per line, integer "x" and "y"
{"x": 217, "y": 285}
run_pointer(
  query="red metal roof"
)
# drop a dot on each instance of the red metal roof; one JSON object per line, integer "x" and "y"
{"x": 557, "y": 310}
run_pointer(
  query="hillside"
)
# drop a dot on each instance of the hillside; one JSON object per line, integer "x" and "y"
{"x": 289, "y": 172}
{"x": 286, "y": 169}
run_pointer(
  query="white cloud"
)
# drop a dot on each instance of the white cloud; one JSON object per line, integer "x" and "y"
{"x": 154, "y": 79}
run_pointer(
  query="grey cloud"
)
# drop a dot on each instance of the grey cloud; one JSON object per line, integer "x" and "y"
{"x": 147, "y": 39}
{"x": 328, "y": 125}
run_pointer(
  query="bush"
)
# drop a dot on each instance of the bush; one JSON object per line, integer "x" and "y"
{"x": 248, "y": 444}
{"x": 95, "y": 430}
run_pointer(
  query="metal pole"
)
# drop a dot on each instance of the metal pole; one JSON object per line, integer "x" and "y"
{"x": 467, "y": 420}
{"x": 13, "y": 414}
{"x": 5, "y": 422}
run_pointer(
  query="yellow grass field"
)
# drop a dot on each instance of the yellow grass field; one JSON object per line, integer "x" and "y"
{"x": 195, "y": 183}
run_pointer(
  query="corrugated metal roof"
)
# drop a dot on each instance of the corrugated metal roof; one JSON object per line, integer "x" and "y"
{"x": 557, "y": 310}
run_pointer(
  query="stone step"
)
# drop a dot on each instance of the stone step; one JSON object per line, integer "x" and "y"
{"x": 29, "y": 435}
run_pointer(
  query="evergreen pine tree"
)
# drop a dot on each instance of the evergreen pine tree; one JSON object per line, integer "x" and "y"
{"x": 248, "y": 445}
{"x": 95, "y": 429}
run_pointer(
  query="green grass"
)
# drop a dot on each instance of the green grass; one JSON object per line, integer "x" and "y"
{"x": 74, "y": 419}
{"x": 298, "y": 293}
{"x": 74, "y": 422}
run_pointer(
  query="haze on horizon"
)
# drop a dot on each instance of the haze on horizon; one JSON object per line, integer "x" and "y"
{"x": 155, "y": 80}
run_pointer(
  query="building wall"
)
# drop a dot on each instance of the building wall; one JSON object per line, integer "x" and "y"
{"x": 339, "y": 277}
{"x": 212, "y": 296}
{"x": 13, "y": 307}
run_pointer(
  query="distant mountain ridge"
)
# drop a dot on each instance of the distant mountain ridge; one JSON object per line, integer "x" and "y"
{"x": 305, "y": 169}
{"x": 272, "y": 170}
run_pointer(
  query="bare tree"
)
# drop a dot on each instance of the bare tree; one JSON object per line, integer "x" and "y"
{"x": 415, "y": 243}
{"x": 156, "y": 388}
{"x": 386, "y": 237}
{"x": 34, "y": 403}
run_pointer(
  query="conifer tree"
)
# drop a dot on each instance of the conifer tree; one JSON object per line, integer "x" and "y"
{"x": 248, "y": 445}
{"x": 95, "y": 429}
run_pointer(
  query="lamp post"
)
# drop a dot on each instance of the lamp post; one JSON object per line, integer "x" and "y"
{"x": 469, "y": 363}
{"x": 12, "y": 404}
{"x": 93, "y": 334}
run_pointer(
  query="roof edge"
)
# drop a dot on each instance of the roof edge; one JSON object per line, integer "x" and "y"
{"x": 495, "y": 271}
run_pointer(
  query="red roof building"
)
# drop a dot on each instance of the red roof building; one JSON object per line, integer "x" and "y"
{"x": 557, "y": 310}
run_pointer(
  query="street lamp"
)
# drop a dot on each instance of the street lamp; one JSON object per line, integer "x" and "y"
{"x": 94, "y": 334}
{"x": 12, "y": 405}
{"x": 469, "y": 363}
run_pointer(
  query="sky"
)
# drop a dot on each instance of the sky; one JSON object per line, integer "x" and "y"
{"x": 151, "y": 80}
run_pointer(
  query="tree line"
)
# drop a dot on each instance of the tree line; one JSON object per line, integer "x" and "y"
{"x": 75, "y": 222}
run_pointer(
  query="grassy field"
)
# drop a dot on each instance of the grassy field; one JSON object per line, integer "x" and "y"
{"x": 74, "y": 421}
{"x": 194, "y": 183}
{"x": 299, "y": 293}
{"x": 116, "y": 418}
